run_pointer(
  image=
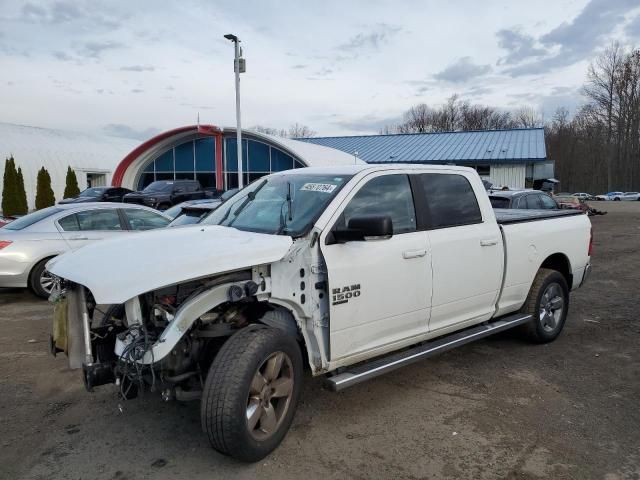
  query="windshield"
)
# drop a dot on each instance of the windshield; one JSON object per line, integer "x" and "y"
{"x": 92, "y": 192}
{"x": 28, "y": 220}
{"x": 161, "y": 186}
{"x": 284, "y": 204}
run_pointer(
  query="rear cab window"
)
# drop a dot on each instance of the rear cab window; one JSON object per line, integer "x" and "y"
{"x": 450, "y": 200}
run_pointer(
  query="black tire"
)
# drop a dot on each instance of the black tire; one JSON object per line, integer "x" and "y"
{"x": 539, "y": 330}
{"x": 34, "y": 279}
{"x": 616, "y": 199}
{"x": 226, "y": 396}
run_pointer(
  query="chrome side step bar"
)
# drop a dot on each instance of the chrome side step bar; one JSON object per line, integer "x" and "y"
{"x": 365, "y": 371}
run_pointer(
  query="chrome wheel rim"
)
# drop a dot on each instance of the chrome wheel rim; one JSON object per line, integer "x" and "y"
{"x": 46, "y": 281}
{"x": 551, "y": 307}
{"x": 270, "y": 395}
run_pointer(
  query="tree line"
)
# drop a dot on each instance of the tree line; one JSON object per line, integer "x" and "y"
{"x": 14, "y": 196}
{"x": 596, "y": 150}
{"x": 599, "y": 148}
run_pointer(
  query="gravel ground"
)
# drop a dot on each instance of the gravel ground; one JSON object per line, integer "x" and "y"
{"x": 499, "y": 408}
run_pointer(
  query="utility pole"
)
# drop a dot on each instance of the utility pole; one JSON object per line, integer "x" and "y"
{"x": 239, "y": 66}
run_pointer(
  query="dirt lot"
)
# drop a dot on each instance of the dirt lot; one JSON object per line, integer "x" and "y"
{"x": 499, "y": 408}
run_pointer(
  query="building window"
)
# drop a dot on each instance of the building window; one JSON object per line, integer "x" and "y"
{"x": 190, "y": 160}
{"x": 258, "y": 159}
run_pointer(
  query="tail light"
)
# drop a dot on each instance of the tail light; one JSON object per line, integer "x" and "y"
{"x": 591, "y": 242}
{"x": 5, "y": 243}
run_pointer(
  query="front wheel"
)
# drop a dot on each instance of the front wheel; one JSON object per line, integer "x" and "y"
{"x": 251, "y": 393}
{"x": 548, "y": 303}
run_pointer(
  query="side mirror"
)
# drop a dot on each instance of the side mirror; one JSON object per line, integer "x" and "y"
{"x": 366, "y": 227}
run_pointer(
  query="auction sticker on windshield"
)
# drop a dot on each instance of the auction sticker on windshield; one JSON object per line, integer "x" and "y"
{"x": 319, "y": 187}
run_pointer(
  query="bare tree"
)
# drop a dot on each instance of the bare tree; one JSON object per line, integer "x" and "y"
{"x": 600, "y": 89}
{"x": 270, "y": 131}
{"x": 527, "y": 117}
{"x": 300, "y": 131}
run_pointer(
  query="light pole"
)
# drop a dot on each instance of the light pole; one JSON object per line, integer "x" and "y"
{"x": 239, "y": 67}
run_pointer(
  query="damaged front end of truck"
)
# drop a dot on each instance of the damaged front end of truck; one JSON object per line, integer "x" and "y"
{"x": 145, "y": 327}
{"x": 163, "y": 340}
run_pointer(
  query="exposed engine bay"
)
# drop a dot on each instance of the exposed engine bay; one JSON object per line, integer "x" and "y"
{"x": 153, "y": 342}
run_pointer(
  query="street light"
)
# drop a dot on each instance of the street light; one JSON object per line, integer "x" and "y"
{"x": 239, "y": 66}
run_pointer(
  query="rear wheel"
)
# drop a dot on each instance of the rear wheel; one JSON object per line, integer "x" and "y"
{"x": 40, "y": 280}
{"x": 548, "y": 303}
{"x": 617, "y": 199}
{"x": 251, "y": 393}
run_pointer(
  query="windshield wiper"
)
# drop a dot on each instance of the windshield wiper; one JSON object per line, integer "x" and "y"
{"x": 251, "y": 196}
{"x": 283, "y": 219}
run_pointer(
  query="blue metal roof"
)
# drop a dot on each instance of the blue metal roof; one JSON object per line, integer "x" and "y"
{"x": 489, "y": 146}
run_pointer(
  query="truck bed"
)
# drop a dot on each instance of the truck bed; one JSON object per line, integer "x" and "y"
{"x": 506, "y": 216}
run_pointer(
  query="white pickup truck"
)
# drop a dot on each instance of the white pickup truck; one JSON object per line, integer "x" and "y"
{"x": 349, "y": 271}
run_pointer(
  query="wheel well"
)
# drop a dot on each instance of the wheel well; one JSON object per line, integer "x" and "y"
{"x": 45, "y": 259}
{"x": 560, "y": 263}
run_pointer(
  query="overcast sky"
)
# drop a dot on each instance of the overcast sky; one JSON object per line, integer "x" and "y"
{"x": 132, "y": 68}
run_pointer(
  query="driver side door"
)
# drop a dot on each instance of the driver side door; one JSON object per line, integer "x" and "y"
{"x": 380, "y": 290}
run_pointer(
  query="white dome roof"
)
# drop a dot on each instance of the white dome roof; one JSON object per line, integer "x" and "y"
{"x": 34, "y": 148}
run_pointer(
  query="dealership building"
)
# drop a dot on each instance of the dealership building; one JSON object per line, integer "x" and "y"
{"x": 514, "y": 158}
{"x": 210, "y": 155}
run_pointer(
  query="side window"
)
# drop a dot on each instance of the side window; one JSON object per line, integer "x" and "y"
{"x": 144, "y": 220}
{"x": 450, "y": 199}
{"x": 69, "y": 223}
{"x": 388, "y": 195}
{"x": 548, "y": 202}
{"x": 96, "y": 220}
{"x": 533, "y": 202}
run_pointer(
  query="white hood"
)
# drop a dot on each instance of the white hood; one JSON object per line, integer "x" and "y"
{"x": 119, "y": 269}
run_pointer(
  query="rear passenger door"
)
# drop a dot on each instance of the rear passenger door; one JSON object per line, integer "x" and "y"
{"x": 88, "y": 226}
{"x": 466, "y": 250}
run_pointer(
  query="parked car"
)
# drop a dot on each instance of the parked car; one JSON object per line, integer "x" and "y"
{"x": 174, "y": 211}
{"x": 193, "y": 213}
{"x": 583, "y": 196}
{"x": 522, "y": 199}
{"x": 571, "y": 202}
{"x": 28, "y": 243}
{"x": 164, "y": 194}
{"x": 98, "y": 194}
{"x": 349, "y": 272}
{"x": 609, "y": 196}
{"x": 629, "y": 197}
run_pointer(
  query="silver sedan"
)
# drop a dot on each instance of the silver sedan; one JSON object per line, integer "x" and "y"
{"x": 28, "y": 243}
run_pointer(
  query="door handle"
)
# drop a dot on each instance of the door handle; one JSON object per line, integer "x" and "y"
{"x": 488, "y": 242}
{"x": 413, "y": 254}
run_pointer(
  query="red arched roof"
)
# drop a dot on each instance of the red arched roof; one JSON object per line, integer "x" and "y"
{"x": 120, "y": 170}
